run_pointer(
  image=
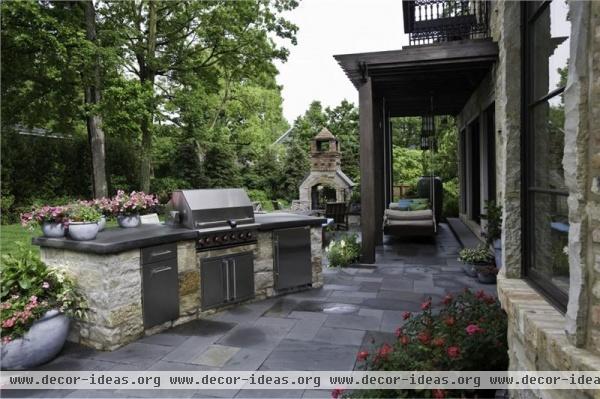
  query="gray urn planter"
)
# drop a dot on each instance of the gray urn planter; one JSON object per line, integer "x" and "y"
{"x": 102, "y": 223}
{"x": 469, "y": 269}
{"x": 83, "y": 231}
{"x": 486, "y": 278}
{"x": 40, "y": 344}
{"x": 129, "y": 221}
{"x": 54, "y": 230}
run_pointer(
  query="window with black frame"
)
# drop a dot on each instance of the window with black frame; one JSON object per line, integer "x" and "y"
{"x": 546, "y": 224}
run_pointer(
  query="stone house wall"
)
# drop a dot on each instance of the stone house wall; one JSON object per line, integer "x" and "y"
{"x": 540, "y": 337}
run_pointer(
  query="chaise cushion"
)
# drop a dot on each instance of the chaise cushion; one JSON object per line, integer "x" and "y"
{"x": 394, "y": 215}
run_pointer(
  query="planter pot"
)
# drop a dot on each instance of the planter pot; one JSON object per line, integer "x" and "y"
{"x": 498, "y": 253}
{"x": 40, "y": 344}
{"x": 469, "y": 269}
{"x": 486, "y": 278}
{"x": 129, "y": 221}
{"x": 102, "y": 223}
{"x": 83, "y": 231}
{"x": 54, "y": 230}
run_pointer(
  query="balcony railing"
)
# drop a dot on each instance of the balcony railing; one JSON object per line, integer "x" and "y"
{"x": 435, "y": 21}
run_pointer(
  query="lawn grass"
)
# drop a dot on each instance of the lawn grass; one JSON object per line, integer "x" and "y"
{"x": 13, "y": 233}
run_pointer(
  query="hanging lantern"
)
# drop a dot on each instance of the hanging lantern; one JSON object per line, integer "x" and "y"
{"x": 427, "y": 132}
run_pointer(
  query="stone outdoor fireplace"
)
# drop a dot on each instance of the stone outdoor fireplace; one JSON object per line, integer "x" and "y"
{"x": 326, "y": 182}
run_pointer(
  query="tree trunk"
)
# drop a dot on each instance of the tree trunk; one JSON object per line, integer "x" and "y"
{"x": 148, "y": 79}
{"x": 94, "y": 121}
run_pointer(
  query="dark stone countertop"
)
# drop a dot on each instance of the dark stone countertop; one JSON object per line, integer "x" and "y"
{"x": 115, "y": 239}
{"x": 284, "y": 220}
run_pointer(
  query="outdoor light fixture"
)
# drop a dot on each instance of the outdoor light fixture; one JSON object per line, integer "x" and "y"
{"x": 427, "y": 131}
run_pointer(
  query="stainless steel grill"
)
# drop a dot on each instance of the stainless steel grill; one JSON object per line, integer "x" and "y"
{"x": 223, "y": 217}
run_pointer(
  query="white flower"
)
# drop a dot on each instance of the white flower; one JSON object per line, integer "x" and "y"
{"x": 342, "y": 243}
{"x": 566, "y": 250}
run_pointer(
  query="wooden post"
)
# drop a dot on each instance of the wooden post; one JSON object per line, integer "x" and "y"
{"x": 368, "y": 218}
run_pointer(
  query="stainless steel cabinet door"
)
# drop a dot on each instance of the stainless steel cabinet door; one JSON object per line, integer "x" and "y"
{"x": 242, "y": 275}
{"x": 292, "y": 260}
{"x": 160, "y": 292}
{"x": 214, "y": 282}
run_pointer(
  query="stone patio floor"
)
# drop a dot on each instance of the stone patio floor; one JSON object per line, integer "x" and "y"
{"x": 320, "y": 329}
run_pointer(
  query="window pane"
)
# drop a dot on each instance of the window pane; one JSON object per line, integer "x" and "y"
{"x": 548, "y": 146}
{"x": 550, "y": 239}
{"x": 550, "y": 49}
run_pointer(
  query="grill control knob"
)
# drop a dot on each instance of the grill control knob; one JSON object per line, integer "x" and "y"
{"x": 201, "y": 240}
{"x": 225, "y": 237}
{"x": 217, "y": 238}
{"x": 241, "y": 236}
{"x": 248, "y": 235}
{"x": 232, "y": 236}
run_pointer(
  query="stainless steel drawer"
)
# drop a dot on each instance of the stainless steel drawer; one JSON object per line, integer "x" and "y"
{"x": 159, "y": 253}
{"x": 160, "y": 292}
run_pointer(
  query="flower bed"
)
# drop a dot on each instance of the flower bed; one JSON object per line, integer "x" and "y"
{"x": 468, "y": 334}
{"x": 344, "y": 251}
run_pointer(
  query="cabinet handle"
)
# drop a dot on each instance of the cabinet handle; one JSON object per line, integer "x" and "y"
{"x": 234, "y": 280}
{"x": 168, "y": 251}
{"x": 162, "y": 269}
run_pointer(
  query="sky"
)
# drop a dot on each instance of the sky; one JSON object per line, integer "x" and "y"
{"x": 328, "y": 27}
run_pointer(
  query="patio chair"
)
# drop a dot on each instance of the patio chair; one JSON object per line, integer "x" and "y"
{"x": 338, "y": 211}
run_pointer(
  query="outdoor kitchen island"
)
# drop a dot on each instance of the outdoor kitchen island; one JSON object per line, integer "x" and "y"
{"x": 144, "y": 280}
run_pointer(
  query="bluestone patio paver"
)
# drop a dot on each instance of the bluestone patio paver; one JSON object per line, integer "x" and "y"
{"x": 321, "y": 329}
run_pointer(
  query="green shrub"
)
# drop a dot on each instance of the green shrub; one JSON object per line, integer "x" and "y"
{"x": 468, "y": 334}
{"x": 450, "y": 198}
{"x": 29, "y": 289}
{"x": 344, "y": 251}
{"x": 163, "y": 187}
{"x": 262, "y": 197}
{"x": 493, "y": 228}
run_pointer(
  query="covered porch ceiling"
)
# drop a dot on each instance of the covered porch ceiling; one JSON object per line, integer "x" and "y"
{"x": 408, "y": 78}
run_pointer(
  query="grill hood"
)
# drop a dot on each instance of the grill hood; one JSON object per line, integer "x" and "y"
{"x": 207, "y": 208}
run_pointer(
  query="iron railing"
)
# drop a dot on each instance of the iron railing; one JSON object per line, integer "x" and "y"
{"x": 434, "y": 21}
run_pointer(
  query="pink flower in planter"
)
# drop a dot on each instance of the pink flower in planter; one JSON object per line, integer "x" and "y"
{"x": 405, "y": 340}
{"x": 438, "y": 394}
{"x": 362, "y": 355}
{"x": 450, "y": 321}
{"x": 453, "y": 352}
{"x": 439, "y": 342}
{"x": 8, "y": 323}
{"x": 480, "y": 295}
{"x": 473, "y": 329}
{"x": 33, "y": 299}
{"x": 426, "y": 305}
{"x": 45, "y": 285}
{"x": 406, "y": 315}
{"x": 385, "y": 350}
{"x": 336, "y": 393}
{"x": 447, "y": 299}
{"x": 424, "y": 337}
{"x": 6, "y": 340}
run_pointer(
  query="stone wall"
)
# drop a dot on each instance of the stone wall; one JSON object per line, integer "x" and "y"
{"x": 112, "y": 287}
{"x": 540, "y": 337}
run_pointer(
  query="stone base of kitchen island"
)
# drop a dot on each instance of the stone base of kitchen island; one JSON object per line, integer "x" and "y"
{"x": 111, "y": 284}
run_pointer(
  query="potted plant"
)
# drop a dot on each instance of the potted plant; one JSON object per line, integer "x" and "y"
{"x": 51, "y": 219}
{"x": 487, "y": 274}
{"x": 83, "y": 221}
{"x": 128, "y": 207}
{"x": 37, "y": 302}
{"x": 493, "y": 230}
{"x": 104, "y": 206}
{"x": 475, "y": 257}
